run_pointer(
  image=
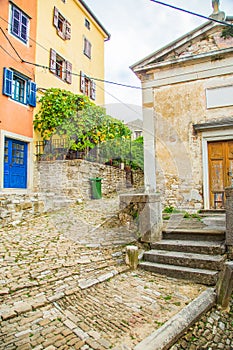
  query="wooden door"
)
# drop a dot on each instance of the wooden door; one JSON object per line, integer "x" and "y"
{"x": 220, "y": 157}
{"x": 15, "y": 164}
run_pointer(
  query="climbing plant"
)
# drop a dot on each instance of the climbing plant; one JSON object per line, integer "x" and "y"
{"x": 83, "y": 123}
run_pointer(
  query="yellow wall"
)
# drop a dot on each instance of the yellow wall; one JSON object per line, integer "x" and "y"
{"x": 71, "y": 50}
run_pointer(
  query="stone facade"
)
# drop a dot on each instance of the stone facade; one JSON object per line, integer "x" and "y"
{"x": 177, "y": 82}
{"x": 60, "y": 183}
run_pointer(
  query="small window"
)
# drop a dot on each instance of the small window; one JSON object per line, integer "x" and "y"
{"x": 62, "y": 25}
{"x": 19, "y": 25}
{"x": 87, "y": 86}
{"x": 87, "y": 48}
{"x": 19, "y": 87}
{"x": 137, "y": 133}
{"x": 87, "y": 24}
{"x": 60, "y": 67}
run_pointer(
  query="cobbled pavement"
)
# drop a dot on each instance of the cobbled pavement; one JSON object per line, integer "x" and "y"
{"x": 64, "y": 284}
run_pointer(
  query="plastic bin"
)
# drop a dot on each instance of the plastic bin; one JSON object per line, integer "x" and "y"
{"x": 96, "y": 188}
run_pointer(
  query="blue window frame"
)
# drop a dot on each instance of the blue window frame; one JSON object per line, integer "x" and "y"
{"x": 19, "y": 87}
{"x": 19, "y": 24}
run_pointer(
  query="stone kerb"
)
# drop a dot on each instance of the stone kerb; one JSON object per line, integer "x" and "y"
{"x": 229, "y": 221}
{"x": 146, "y": 208}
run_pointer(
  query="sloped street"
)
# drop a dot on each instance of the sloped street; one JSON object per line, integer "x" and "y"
{"x": 65, "y": 285}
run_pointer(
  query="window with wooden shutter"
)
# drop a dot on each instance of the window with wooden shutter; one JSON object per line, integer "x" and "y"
{"x": 82, "y": 82}
{"x": 93, "y": 90}
{"x": 31, "y": 100}
{"x": 62, "y": 25}
{"x": 19, "y": 88}
{"x": 68, "y": 72}
{"x": 68, "y": 30}
{"x": 55, "y": 16}
{"x": 7, "y": 82}
{"x": 52, "y": 65}
{"x": 87, "y": 48}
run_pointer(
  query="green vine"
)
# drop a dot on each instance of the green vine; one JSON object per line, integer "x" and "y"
{"x": 75, "y": 116}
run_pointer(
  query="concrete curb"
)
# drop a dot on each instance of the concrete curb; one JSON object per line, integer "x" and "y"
{"x": 172, "y": 330}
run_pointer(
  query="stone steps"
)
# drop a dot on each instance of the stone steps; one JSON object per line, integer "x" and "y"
{"x": 208, "y": 277}
{"x": 200, "y": 247}
{"x": 194, "y": 234}
{"x": 194, "y": 260}
{"x": 193, "y": 254}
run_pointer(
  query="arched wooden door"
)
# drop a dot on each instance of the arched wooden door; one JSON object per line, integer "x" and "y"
{"x": 220, "y": 157}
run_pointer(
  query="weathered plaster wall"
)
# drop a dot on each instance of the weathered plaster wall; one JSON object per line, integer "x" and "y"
{"x": 179, "y": 149}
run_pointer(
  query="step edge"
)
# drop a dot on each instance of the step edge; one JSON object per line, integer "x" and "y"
{"x": 182, "y": 268}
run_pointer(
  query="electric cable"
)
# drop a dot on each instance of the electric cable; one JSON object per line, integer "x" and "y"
{"x": 11, "y": 44}
{"x": 193, "y": 13}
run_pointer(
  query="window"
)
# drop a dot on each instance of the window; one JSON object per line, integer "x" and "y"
{"x": 62, "y": 25}
{"x": 87, "y": 86}
{"x": 60, "y": 67}
{"x": 137, "y": 133}
{"x": 19, "y": 24}
{"x": 19, "y": 87}
{"x": 87, "y": 48}
{"x": 87, "y": 24}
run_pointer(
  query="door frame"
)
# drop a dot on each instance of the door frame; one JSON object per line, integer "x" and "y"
{"x": 209, "y": 136}
{"x": 29, "y": 141}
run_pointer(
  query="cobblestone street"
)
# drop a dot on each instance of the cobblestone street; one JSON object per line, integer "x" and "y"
{"x": 64, "y": 284}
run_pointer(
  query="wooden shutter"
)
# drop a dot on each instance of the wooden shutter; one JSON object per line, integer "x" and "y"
{"x": 31, "y": 94}
{"x": 67, "y": 30}
{"x": 82, "y": 82}
{"x": 68, "y": 72}
{"x": 55, "y": 17}
{"x": 87, "y": 48}
{"x": 52, "y": 66}
{"x": 93, "y": 90}
{"x": 7, "y": 83}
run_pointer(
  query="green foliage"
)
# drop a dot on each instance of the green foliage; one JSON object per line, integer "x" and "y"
{"x": 122, "y": 150}
{"x": 168, "y": 209}
{"x": 57, "y": 107}
{"x": 227, "y": 33}
{"x": 82, "y": 122}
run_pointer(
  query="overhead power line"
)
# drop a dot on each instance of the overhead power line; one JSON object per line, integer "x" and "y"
{"x": 193, "y": 13}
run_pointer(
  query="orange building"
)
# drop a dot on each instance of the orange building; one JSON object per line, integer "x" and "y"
{"x": 18, "y": 95}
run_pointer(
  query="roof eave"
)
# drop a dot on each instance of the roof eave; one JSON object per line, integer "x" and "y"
{"x": 184, "y": 59}
{"x": 174, "y": 44}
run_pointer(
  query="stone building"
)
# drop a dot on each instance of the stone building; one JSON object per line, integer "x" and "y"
{"x": 188, "y": 117}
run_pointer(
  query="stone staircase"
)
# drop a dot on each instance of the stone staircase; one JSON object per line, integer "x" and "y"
{"x": 195, "y": 253}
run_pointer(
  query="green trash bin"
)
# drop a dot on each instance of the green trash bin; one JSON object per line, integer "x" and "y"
{"x": 96, "y": 188}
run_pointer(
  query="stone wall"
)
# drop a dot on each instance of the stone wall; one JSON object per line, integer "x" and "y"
{"x": 60, "y": 183}
{"x": 14, "y": 208}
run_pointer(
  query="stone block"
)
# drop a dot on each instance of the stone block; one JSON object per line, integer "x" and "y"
{"x": 225, "y": 285}
{"x": 229, "y": 216}
{"x": 149, "y": 213}
{"x": 132, "y": 256}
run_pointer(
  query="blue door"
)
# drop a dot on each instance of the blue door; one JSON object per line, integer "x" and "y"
{"x": 15, "y": 164}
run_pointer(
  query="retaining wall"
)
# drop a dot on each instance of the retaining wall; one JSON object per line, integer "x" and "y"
{"x": 60, "y": 183}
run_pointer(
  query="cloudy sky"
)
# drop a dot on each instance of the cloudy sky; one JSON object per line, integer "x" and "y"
{"x": 138, "y": 28}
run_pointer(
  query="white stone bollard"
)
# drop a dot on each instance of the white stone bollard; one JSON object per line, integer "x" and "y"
{"x": 132, "y": 256}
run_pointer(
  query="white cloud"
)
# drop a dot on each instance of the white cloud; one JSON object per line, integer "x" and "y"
{"x": 138, "y": 28}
